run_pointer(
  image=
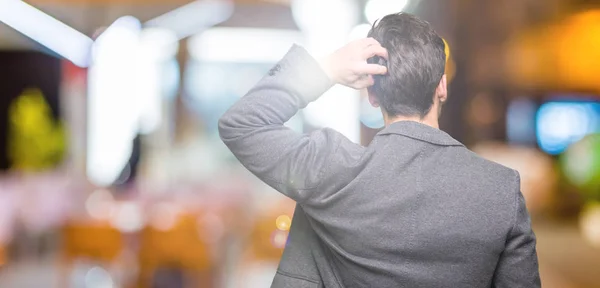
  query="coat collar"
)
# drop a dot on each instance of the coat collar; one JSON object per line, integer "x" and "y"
{"x": 421, "y": 132}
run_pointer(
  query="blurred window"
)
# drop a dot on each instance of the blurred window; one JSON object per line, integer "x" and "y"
{"x": 520, "y": 122}
{"x": 219, "y": 72}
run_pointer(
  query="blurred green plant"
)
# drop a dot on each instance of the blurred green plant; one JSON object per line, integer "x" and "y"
{"x": 581, "y": 166}
{"x": 35, "y": 140}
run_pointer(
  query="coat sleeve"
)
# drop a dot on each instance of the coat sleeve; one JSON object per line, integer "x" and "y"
{"x": 253, "y": 128}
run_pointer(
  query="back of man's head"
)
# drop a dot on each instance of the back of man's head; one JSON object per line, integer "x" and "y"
{"x": 415, "y": 65}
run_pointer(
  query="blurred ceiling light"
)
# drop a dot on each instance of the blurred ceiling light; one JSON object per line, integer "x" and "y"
{"x": 193, "y": 17}
{"x": 44, "y": 29}
{"x": 122, "y": 24}
{"x": 377, "y": 9}
{"x": 259, "y": 45}
{"x": 156, "y": 47}
{"x": 113, "y": 117}
{"x": 125, "y": 92}
{"x": 159, "y": 43}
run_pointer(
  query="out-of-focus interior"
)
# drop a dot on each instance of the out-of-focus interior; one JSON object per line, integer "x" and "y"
{"x": 112, "y": 173}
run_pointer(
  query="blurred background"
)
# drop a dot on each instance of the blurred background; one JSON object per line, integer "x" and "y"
{"x": 112, "y": 173}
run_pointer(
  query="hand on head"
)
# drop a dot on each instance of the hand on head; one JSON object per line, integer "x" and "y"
{"x": 348, "y": 65}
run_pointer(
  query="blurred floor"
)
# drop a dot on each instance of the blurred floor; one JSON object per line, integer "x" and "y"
{"x": 566, "y": 260}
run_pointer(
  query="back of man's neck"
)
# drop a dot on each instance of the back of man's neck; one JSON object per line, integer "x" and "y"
{"x": 427, "y": 120}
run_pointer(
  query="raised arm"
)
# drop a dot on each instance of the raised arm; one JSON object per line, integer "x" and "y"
{"x": 253, "y": 128}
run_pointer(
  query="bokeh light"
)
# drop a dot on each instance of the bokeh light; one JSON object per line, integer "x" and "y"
{"x": 581, "y": 165}
{"x": 100, "y": 204}
{"x": 164, "y": 216}
{"x": 283, "y": 222}
{"x": 98, "y": 277}
{"x": 370, "y": 116}
{"x": 128, "y": 217}
{"x": 589, "y": 223}
{"x": 560, "y": 124}
{"x": 279, "y": 238}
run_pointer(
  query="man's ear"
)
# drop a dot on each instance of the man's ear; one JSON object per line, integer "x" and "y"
{"x": 373, "y": 99}
{"x": 442, "y": 90}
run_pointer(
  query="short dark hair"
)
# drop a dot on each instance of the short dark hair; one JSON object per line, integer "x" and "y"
{"x": 415, "y": 65}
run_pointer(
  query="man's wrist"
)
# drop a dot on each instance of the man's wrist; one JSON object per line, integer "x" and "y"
{"x": 310, "y": 77}
{"x": 327, "y": 67}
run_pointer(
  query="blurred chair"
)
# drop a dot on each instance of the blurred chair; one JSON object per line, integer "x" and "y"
{"x": 95, "y": 241}
{"x": 3, "y": 256}
{"x": 177, "y": 247}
